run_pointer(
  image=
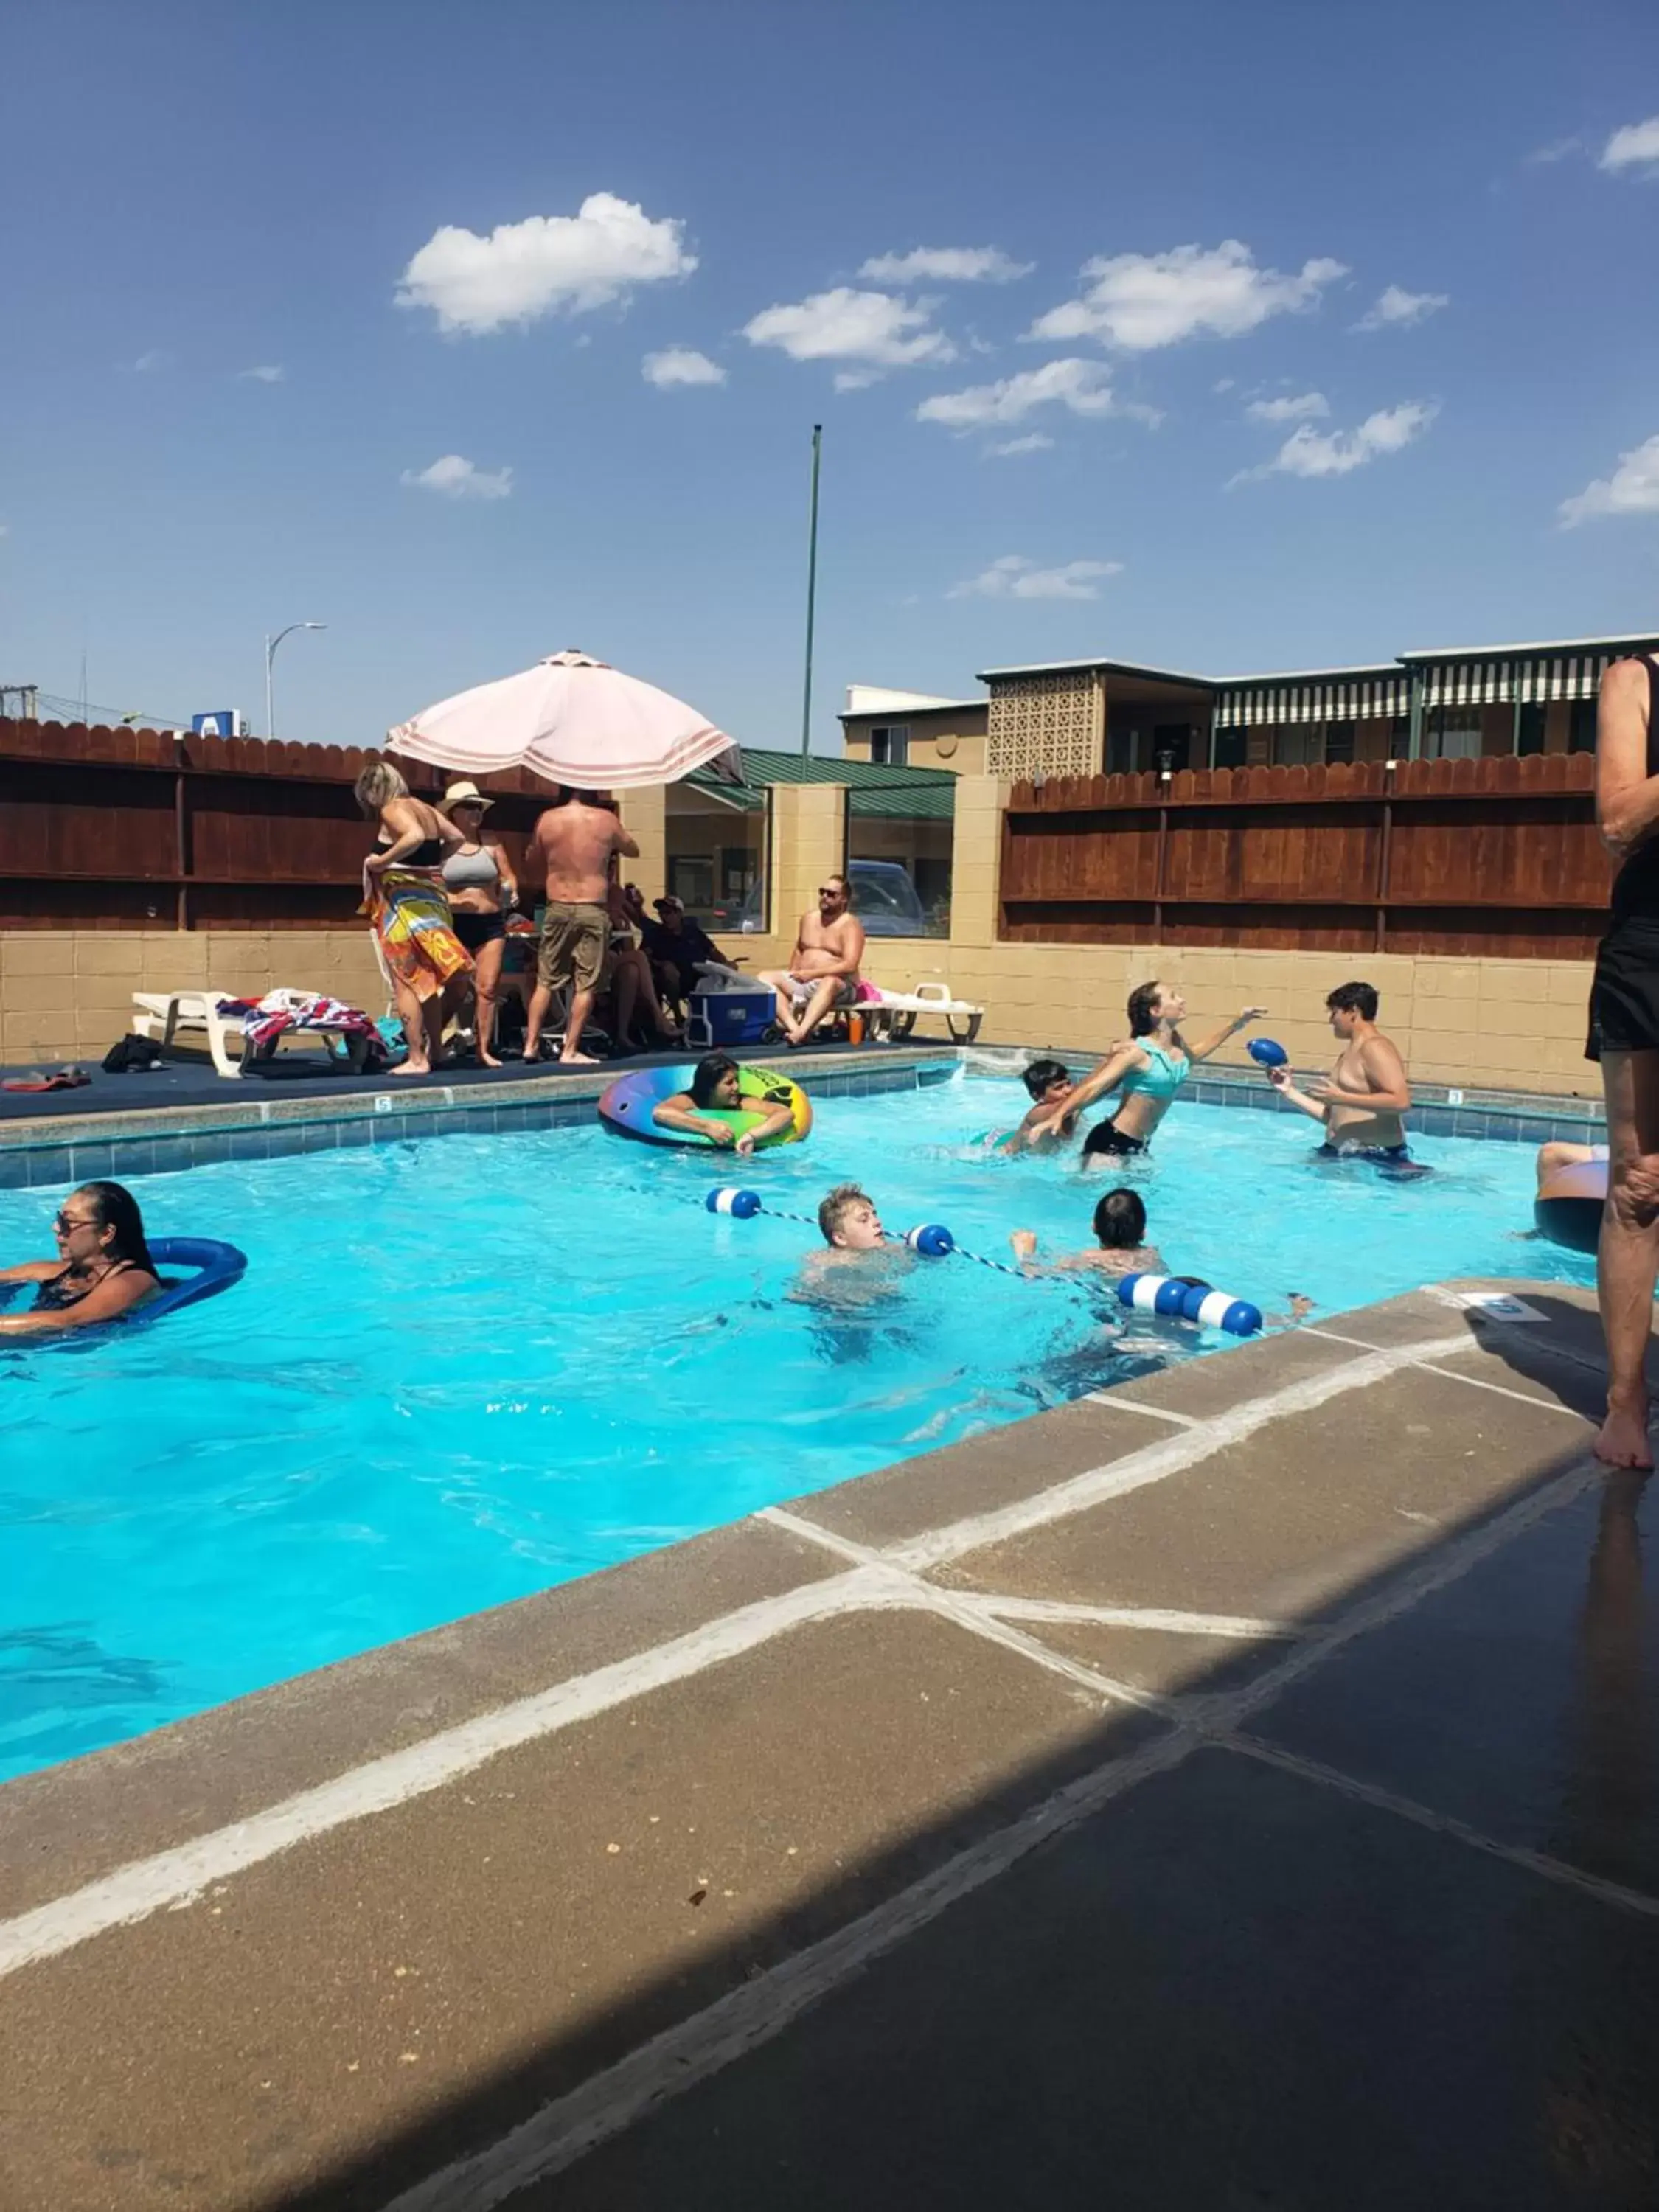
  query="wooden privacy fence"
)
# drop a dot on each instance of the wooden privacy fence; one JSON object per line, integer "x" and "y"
{"x": 126, "y": 829}
{"x": 1461, "y": 857}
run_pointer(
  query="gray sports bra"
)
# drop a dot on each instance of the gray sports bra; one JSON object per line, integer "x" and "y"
{"x": 471, "y": 871}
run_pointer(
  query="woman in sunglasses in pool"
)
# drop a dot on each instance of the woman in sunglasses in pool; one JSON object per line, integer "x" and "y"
{"x": 103, "y": 1268}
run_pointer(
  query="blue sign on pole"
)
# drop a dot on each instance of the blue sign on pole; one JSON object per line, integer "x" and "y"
{"x": 226, "y": 723}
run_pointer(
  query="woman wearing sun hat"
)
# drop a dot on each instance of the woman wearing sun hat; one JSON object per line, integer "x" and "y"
{"x": 478, "y": 877}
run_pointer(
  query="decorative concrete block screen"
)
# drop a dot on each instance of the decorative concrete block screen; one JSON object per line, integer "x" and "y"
{"x": 1497, "y": 857}
{"x": 1048, "y": 724}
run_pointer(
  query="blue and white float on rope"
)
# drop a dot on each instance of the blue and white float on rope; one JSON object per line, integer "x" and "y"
{"x": 1161, "y": 1294}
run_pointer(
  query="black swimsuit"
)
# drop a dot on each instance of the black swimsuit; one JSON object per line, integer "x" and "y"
{"x": 54, "y": 1295}
{"x": 1624, "y": 1008}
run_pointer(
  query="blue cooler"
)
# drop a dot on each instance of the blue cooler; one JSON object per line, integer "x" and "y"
{"x": 721, "y": 1018}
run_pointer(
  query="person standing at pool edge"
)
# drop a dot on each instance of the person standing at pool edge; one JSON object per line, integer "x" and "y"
{"x": 1623, "y": 1035}
{"x": 1368, "y": 1092}
{"x": 575, "y": 837}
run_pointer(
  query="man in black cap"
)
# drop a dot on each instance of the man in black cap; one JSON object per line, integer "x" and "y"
{"x": 677, "y": 947}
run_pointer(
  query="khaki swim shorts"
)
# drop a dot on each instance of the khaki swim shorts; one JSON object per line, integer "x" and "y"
{"x": 572, "y": 945}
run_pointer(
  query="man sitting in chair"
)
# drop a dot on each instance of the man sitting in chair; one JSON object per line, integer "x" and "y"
{"x": 824, "y": 969}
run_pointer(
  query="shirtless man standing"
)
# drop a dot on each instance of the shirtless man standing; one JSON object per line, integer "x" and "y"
{"x": 829, "y": 946}
{"x": 575, "y": 838}
{"x": 1368, "y": 1093}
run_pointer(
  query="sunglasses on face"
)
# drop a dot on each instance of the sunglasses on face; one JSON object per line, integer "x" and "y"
{"x": 64, "y": 1225}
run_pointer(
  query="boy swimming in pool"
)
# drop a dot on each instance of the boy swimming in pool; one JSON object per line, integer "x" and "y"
{"x": 1050, "y": 1085}
{"x": 715, "y": 1091}
{"x": 1119, "y": 1225}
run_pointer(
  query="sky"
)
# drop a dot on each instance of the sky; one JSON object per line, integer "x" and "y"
{"x": 1222, "y": 335}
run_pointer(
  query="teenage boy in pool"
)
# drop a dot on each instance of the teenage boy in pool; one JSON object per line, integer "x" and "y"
{"x": 1364, "y": 1104}
{"x": 1121, "y": 1248}
{"x": 856, "y": 1243}
{"x": 1050, "y": 1086}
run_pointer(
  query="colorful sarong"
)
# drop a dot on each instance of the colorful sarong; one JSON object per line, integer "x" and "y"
{"x": 410, "y": 911}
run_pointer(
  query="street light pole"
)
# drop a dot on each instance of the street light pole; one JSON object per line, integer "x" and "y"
{"x": 812, "y": 596}
{"x": 271, "y": 644}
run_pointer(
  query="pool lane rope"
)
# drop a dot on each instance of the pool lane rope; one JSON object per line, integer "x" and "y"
{"x": 932, "y": 1240}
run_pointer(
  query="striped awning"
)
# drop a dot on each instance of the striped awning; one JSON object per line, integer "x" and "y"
{"x": 1334, "y": 699}
{"x": 1496, "y": 682}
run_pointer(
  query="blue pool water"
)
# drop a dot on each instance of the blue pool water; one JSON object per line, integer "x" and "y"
{"x": 460, "y": 1371}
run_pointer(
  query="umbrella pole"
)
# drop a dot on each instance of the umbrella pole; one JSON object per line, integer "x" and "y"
{"x": 812, "y": 596}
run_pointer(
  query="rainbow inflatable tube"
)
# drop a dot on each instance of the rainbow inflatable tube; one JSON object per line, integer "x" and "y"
{"x": 1178, "y": 1301}
{"x": 627, "y": 1105}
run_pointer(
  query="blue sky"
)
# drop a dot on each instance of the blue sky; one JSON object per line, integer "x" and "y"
{"x": 1203, "y": 201}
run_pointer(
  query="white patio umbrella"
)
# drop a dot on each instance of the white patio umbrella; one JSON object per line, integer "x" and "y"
{"x": 572, "y": 720}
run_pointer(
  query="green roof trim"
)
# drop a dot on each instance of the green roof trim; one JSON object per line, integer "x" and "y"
{"x": 923, "y": 793}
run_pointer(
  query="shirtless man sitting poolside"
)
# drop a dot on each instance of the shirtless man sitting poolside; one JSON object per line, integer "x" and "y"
{"x": 1363, "y": 1104}
{"x": 575, "y": 838}
{"x": 825, "y": 966}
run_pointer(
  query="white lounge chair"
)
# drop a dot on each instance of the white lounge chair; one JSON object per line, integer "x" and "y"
{"x": 894, "y": 1014}
{"x": 160, "y": 1015}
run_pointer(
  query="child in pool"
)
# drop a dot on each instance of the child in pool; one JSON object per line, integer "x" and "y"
{"x": 1050, "y": 1087}
{"x": 1119, "y": 1225}
{"x": 855, "y": 1241}
{"x": 715, "y": 1089}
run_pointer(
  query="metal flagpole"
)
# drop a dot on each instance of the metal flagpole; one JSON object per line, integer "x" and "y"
{"x": 812, "y": 597}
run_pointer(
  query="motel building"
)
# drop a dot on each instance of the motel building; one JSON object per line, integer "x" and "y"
{"x": 1084, "y": 718}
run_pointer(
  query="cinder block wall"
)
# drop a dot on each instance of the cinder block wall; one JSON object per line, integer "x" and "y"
{"x": 1509, "y": 1024}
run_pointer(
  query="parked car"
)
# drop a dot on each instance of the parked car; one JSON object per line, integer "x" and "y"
{"x": 884, "y": 898}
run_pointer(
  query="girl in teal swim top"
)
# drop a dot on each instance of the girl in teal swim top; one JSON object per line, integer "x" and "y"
{"x": 1148, "y": 1071}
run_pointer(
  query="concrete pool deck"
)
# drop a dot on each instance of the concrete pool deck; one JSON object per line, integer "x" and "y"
{"x": 1239, "y": 1787}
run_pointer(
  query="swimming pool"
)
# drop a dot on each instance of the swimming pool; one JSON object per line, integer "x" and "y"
{"x": 460, "y": 1371}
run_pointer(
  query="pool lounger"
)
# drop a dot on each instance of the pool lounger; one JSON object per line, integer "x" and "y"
{"x": 895, "y": 1013}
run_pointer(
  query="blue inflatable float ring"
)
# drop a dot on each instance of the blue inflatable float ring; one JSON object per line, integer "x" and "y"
{"x": 1265, "y": 1054}
{"x": 1163, "y": 1294}
{"x": 217, "y": 1265}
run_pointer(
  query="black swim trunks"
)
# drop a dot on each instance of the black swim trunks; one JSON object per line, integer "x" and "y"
{"x": 477, "y": 930}
{"x": 1107, "y": 1137}
{"x": 1392, "y": 1159}
{"x": 1623, "y": 1008}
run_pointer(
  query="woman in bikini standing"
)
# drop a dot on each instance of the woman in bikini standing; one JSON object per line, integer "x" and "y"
{"x": 426, "y": 963}
{"x": 479, "y": 880}
{"x": 1149, "y": 1070}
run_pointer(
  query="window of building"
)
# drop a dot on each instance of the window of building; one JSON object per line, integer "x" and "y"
{"x": 1232, "y": 746}
{"x": 1298, "y": 745}
{"x": 1339, "y": 742}
{"x": 891, "y": 747}
{"x": 899, "y": 864}
{"x": 1529, "y": 729}
{"x": 1581, "y": 728}
{"x": 1452, "y": 733}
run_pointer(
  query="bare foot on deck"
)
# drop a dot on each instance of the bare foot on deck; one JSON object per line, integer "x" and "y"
{"x": 488, "y": 1059}
{"x": 408, "y": 1067}
{"x": 1623, "y": 1438}
{"x": 578, "y": 1059}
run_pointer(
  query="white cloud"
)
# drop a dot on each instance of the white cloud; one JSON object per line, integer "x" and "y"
{"x": 457, "y": 478}
{"x": 875, "y": 328}
{"x": 271, "y": 373}
{"x": 1556, "y": 150}
{"x": 1310, "y": 452}
{"x": 525, "y": 270}
{"x": 946, "y": 265}
{"x": 1304, "y": 405}
{"x": 1137, "y": 301}
{"x": 148, "y": 363}
{"x": 1032, "y": 442}
{"x": 1081, "y": 386}
{"x": 1632, "y": 488}
{"x": 1224, "y": 384}
{"x": 1395, "y": 306}
{"x": 680, "y": 365}
{"x": 1014, "y": 577}
{"x": 1634, "y": 146}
